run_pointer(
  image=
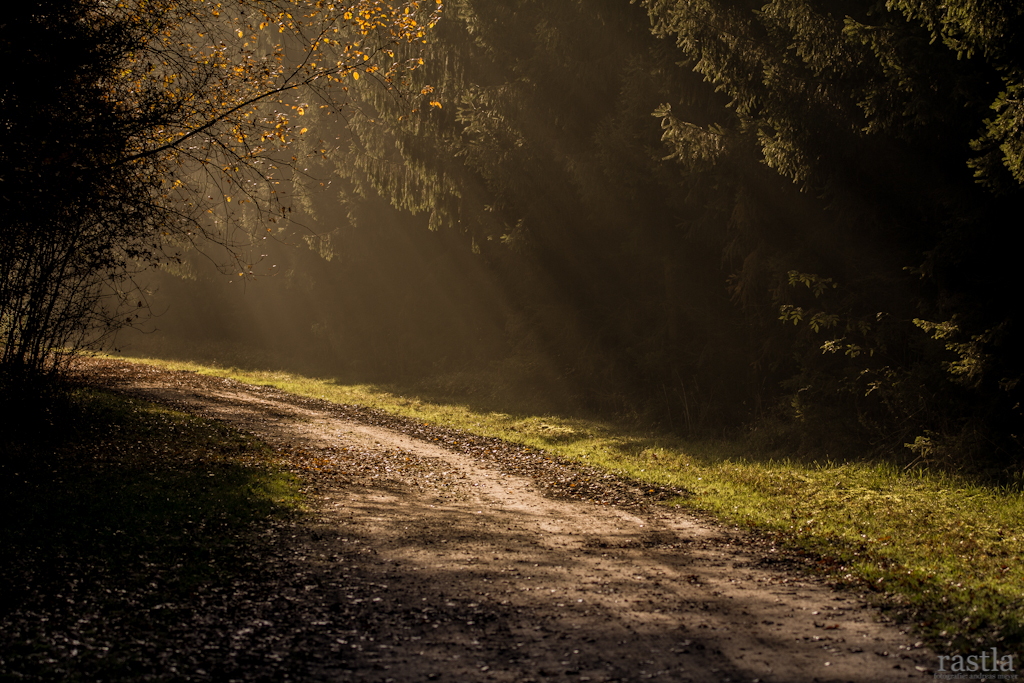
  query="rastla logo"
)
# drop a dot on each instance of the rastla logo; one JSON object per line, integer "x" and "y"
{"x": 989, "y": 662}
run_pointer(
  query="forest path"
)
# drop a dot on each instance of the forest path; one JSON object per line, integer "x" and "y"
{"x": 423, "y": 562}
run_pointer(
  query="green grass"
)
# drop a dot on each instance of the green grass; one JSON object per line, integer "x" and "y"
{"x": 115, "y": 513}
{"x": 130, "y": 494}
{"x": 945, "y": 551}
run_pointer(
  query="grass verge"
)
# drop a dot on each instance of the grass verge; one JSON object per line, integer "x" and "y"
{"x": 129, "y": 507}
{"x": 944, "y": 552}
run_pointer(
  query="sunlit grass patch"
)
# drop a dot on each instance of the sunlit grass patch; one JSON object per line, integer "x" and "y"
{"x": 946, "y": 551}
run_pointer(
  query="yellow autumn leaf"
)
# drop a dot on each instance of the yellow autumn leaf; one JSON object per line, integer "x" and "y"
{"x": 303, "y": 131}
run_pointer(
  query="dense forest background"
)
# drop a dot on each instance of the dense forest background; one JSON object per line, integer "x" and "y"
{"x": 792, "y": 218}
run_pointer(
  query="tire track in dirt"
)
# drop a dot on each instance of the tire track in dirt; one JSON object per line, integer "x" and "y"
{"x": 434, "y": 565}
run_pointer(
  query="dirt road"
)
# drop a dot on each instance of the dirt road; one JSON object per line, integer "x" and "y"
{"x": 427, "y": 560}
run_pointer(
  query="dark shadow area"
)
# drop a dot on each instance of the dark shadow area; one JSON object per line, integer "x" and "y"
{"x": 118, "y": 513}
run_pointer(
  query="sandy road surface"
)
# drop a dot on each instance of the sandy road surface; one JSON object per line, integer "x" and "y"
{"x": 424, "y": 563}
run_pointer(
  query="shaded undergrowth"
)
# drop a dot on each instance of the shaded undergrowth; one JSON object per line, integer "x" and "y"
{"x": 940, "y": 551}
{"x": 126, "y": 506}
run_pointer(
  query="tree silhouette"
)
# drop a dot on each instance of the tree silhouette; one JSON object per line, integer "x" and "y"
{"x": 133, "y": 130}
